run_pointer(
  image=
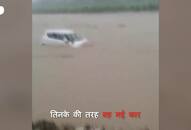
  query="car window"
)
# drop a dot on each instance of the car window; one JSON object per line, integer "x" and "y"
{"x": 60, "y": 36}
{"x": 51, "y": 35}
{"x": 56, "y": 36}
{"x": 69, "y": 38}
{"x": 72, "y": 37}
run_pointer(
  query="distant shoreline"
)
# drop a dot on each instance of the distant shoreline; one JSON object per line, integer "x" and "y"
{"x": 93, "y": 6}
{"x": 94, "y": 12}
{"x": 56, "y": 10}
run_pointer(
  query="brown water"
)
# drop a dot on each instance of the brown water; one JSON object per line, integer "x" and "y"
{"x": 119, "y": 70}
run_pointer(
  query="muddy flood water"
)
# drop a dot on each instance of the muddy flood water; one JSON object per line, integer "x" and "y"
{"x": 117, "y": 71}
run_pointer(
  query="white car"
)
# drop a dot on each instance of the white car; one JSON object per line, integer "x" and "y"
{"x": 63, "y": 37}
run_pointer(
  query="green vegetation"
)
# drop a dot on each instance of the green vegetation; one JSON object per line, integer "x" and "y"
{"x": 75, "y": 6}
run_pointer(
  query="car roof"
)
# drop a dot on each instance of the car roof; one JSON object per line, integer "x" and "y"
{"x": 67, "y": 31}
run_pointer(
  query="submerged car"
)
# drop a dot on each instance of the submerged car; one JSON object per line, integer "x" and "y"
{"x": 63, "y": 38}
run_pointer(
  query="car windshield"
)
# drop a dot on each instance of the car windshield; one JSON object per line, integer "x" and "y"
{"x": 72, "y": 37}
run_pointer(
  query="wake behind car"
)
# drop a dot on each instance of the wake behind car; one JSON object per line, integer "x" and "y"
{"x": 63, "y": 37}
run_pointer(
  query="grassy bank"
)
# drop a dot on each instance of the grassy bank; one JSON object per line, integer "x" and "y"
{"x": 75, "y": 6}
